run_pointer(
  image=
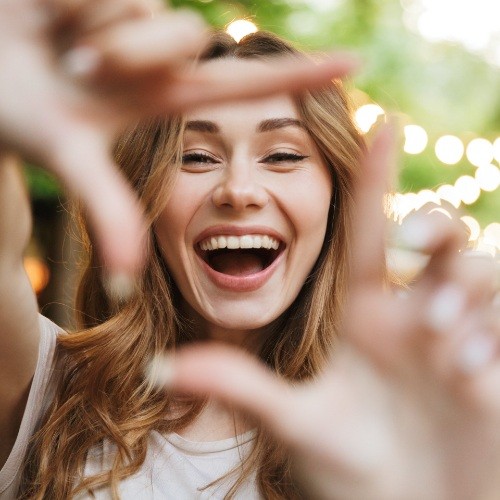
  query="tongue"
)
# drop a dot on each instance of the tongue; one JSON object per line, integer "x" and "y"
{"x": 237, "y": 263}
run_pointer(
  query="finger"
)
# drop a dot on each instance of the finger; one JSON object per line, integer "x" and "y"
{"x": 85, "y": 16}
{"x": 83, "y": 162}
{"x": 131, "y": 49}
{"x": 240, "y": 79}
{"x": 232, "y": 376}
{"x": 437, "y": 236}
{"x": 368, "y": 249}
{"x": 452, "y": 309}
{"x": 446, "y": 302}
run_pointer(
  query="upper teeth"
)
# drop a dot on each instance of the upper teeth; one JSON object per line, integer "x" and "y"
{"x": 245, "y": 241}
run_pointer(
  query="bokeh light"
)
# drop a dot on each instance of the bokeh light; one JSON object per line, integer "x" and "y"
{"x": 367, "y": 115}
{"x": 496, "y": 149}
{"x": 241, "y": 28}
{"x": 448, "y": 193}
{"x": 492, "y": 234}
{"x": 415, "y": 139}
{"x": 482, "y": 245}
{"x": 449, "y": 149}
{"x": 473, "y": 225}
{"x": 468, "y": 189}
{"x": 427, "y": 196}
{"x": 474, "y": 24}
{"x": 488, "y": 177}
{"x": 38, "y": 273}
{"x": 479, "y": 152}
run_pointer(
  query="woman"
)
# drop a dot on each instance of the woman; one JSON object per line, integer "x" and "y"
{"x": 247, "y": 242}
{"x": 79, "y": 115}
{"x": 266, "y": 182}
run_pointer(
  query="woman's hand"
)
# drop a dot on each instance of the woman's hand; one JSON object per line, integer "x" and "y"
{"x": 409, "y": 405}
{"x": 77, "y": 72}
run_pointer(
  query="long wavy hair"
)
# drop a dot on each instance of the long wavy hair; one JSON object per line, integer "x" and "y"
{"x": 102, "y": 393}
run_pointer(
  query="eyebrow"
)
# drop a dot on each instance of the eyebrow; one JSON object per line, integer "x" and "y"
{"x": 276, "y": 123}
{"x": 202, "y": 126}
{"x": 264, "y": 126}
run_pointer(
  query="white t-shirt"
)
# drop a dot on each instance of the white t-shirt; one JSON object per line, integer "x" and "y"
{"x": 174, "y": 468}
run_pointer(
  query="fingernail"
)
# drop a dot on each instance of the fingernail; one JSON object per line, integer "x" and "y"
{"x": 81, "y": 62}
{"x": 416, "y": 233}
{"x": 119, "y": 286}
{"x": 476, "y": 352}
{"x": 445, "y": 308}
{"x": 160, "y": 371}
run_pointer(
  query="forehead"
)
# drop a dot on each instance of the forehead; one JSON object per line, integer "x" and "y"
{"x": 245, "y": 112}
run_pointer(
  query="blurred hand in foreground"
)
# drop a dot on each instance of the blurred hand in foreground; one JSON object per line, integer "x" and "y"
{"x": 409, "y": 405}
{"x": 76, "y": 73}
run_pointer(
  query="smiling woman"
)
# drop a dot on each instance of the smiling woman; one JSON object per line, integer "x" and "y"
{"x": 247, "y": 216}
{"x": 249, "y": 205}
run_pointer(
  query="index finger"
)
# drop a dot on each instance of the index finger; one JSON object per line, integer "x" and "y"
{"x": 239, "y": 79}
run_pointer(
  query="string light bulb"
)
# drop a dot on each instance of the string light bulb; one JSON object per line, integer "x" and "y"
{"x": 241, "y": 28}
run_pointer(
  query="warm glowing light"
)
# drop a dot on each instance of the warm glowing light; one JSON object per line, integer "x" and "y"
{"x": 474, "y": 24}
{"x": 480, "y": 152}
{"x": 448, "y": 193}
{"x": 240, "y": 28}
{"x": 492, "y": 234}
{"x": 402, "y": 204}
{"x": 473, "y": 225}
{"x": 488, "y": 177}
{"x": 484, "y": 246}
{"x": 427, "y": 196}
{"x": 496, "y": 149}
{"x": 449, "y": 149}
{"x": 367, "y": 115}
{"x": 468, "y": 189}
{"x": 38, "y": 273}
{"x": 415, "y": 139}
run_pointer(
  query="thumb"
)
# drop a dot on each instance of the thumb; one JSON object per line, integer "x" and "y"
{"x": 232, "y": 376}
{"x": 85, "y": 166}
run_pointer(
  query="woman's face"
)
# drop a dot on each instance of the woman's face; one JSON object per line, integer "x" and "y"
{"x": 247, "y": 216}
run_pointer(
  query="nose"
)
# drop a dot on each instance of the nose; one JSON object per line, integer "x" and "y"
{"x": 240, "y": 190}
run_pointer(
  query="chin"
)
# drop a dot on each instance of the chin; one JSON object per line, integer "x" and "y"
{"x": 241, "y": 316}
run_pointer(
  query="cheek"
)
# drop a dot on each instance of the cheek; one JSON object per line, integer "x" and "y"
{"x": 173, "y": 222}
{"x": 308, "y": 203}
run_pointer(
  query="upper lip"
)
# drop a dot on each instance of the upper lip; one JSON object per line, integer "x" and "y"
{"x": 229, "y": 230}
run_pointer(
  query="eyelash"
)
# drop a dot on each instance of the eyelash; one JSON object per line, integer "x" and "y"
{"x": 284, "y": 157}
{"x": 273, "y": 158}
{"x": 198, "y": 158}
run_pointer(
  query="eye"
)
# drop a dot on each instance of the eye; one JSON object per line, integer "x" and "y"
{"x": 199, "y": 161}
{"x": 284, "y": 157}
{"x": 188, "y": 158}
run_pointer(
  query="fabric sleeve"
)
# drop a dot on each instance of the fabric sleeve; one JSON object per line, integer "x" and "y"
{"x": 41, "y": 392}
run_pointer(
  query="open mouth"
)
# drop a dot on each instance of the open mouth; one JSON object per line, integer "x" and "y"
{"x": 240, "y": 255}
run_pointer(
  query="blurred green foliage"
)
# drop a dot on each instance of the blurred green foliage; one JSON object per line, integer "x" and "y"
{"x": 438, "y": 86}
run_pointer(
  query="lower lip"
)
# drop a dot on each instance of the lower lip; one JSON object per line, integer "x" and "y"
{"x": 241, "y": 283}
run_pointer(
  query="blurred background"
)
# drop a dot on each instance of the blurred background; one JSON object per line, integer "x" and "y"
{"x": 434, "y": 64}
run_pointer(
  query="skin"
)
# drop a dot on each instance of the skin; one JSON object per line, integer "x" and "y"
{"x": 239, "y": 183}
